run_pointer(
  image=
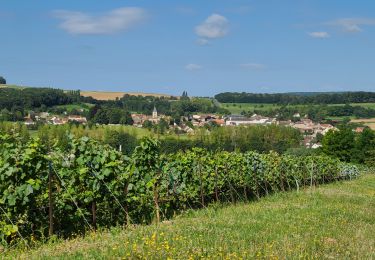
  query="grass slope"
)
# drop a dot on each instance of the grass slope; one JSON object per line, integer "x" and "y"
{"x": 333, "y": 221}
{"x": 237, "y": 108}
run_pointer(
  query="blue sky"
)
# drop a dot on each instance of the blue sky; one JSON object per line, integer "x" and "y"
{"x": 201, "y": 46}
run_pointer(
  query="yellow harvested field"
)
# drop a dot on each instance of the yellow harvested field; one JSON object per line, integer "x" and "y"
{"x": 101, "y": 95}
{"x": 364, "y": 120}
{"x": 370, "y": 122}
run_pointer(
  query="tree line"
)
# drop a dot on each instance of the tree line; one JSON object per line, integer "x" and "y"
{"x": 295, "y": 98}
{"x": 316, "y": 113}
{"x": 15, "y": 103}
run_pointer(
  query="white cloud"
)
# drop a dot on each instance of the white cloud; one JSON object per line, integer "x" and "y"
{"x": 202, "y": 41}
{"x": 215, "y": 26}
{"x": 193, "y": 66}
{"x": 353, "y": 25}
{"x": 320, "y": 35}
{"x": 114, "y": 21}
{"x": 253, "y": 66}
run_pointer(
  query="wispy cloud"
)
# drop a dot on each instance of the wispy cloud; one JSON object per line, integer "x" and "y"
{"x": 193, "y": 66}
{"x": 319, "y": 35}
{"x": 253, "y": 66}
{"x": 114, "y": 21}
{"x": 202, "y": 42}
{"x": 215, "y": 26}
{"x": 352, "y": 25}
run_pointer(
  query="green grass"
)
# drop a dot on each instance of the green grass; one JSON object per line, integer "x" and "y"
{"x": 333, "y": 221}
{"x": 70, "y": 107}
{"x": 366, "y": 105}
{"x": 237, "y": 108}
{"x": 11, "y": 86}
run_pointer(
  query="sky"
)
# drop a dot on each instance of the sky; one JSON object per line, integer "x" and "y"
{"x": 202, "y": 46}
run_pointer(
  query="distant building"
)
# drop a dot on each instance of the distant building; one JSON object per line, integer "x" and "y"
{"x": 139, "y": 119}
{"x": 235, "y": 120}
{"x": 58, "y": 121}
{"x": 219, "y": 122}
{"x": 316, "y": 146}
{"x": 154, "y": 113}
{"x": 29, "y": 121}
{"x": 78, "y": 119}
{"x": 359, "y": 129}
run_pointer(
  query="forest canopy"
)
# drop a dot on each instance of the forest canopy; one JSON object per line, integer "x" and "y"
{"x": 297, "y": 98}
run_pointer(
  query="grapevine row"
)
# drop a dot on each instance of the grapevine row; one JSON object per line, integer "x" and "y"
{"x": 86, "y": 185}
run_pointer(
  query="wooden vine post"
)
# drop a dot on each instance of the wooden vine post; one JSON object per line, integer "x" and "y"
{"x": 127, "y": 220}
{"x": 201, "y": 183}
{"x": 216, "y": 188}
{"x": 93, "y": 209}
{"x": 156, "y": 201}
{"x": 50, "y": 200}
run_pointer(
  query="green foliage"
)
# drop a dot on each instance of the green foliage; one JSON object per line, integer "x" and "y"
{"x": 335, "y": 221}
{"x": 350, "y": 147}
{"x": 2, "y": 80}
{"x": 297, "y": 98}
{"x": 339, "y": 144}
{"x": 110, "y": 115}
{"x": 95, "y": 185}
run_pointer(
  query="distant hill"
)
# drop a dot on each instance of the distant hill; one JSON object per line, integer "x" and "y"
{"x": 100, "y": 95}
{"x": 108, "y": 95}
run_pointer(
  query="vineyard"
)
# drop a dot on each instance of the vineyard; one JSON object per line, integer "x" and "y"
{"x": 64, "y": 192}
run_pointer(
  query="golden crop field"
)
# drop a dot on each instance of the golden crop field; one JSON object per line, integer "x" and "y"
{"x": 370, "y": 122}
{"x": 102, "y": 95}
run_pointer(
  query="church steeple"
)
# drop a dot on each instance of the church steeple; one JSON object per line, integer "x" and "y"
{"x": 154, "y": 113}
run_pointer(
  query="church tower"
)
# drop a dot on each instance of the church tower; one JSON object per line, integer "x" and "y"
{"x": 154, "y": 113}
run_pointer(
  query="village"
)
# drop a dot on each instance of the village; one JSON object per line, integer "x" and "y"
{"x": 309, "y": 129}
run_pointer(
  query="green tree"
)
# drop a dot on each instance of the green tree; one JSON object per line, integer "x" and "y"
{"x": 101, "y": 117}
{"x": 147, "y": 124}
{"x": 126, "y": 119}
{"x": 185, "y": 96}
{"x": 2, "y": 80}
{"x": 364, "y": 146}
{"x": 339, "y": 144}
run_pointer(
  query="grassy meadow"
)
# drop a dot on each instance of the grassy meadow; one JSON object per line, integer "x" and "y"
{"x": 237, "y": 108}
{"x": 333, "y": 221}
{"x": 78, "y": 106}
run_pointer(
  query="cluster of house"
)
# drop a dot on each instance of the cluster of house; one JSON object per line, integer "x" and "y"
{"x": 311, "y": 130}
{"x": 307, "y": 127}
{"x": 196, "y": 120}
{"x": 235, "y": 120}
{"x": 45, "y": 117}
{"x": 139, "y": 119}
